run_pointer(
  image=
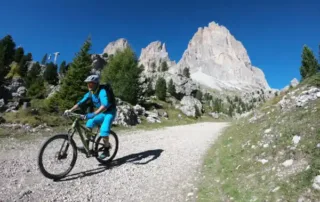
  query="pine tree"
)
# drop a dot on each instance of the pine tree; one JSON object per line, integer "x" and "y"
{"x": 309, "y": 64}
{"x": 44, "y": 59}
{"x": 149, "y": 90}
{"x": 3, "y": 68}
{"x": 37, "y": 89}
{"x": 230, "y": 110}
{"x": 153, "y": 67}
{"x": 164, "y": 66}
{"x": 32, "y": 74}
{"x": 73, "y": 87}
{"x": 23, "y": 64}
{"x": 63, "y": 68}
{"x": 161, "y": 89}
{"x": 50, "y": 74}
{"x": 171, "y": 88}
{"x": 123, "y": 73}
{"x": 19, "y": 54}
{"x": 186, "y": 72}
{"x": 9, "y": 49}
{"x": 199, "y": 95}
{"x": 217, "y": 105}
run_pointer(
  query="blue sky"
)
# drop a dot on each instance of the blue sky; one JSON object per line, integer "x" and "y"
{"x": 273, "y": 32}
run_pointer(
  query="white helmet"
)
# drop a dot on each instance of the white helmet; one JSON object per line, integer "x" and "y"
{"x": 92, "y": 78}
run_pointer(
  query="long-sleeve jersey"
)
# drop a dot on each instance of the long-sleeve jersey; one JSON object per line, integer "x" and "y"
{"x": 97, "y": 99}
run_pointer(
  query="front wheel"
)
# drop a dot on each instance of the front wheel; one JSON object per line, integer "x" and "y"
{"x": 99, "y": 147}
{"x": 60, "y": 154}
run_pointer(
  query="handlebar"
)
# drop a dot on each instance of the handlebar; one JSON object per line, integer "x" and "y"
{"x": 72, "y": 114}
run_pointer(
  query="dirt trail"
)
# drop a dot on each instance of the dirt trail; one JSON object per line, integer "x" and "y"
{"x": 159, "y": 165}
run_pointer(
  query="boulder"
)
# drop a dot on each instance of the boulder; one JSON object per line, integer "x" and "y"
{"x": 21, "y": 91}
{"x": 139, "y": 110}
{"x": 190, "y": 106}
{"x": 126, "y": 115}
{"x": 153, "y": 117}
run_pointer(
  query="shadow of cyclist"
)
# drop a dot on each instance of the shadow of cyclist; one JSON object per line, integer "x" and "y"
{"x": 132, "y": 158}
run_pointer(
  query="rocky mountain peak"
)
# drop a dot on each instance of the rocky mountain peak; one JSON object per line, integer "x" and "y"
{"x": 217, "y": 60}
{"x": 156, "y": 53}
{"x": 119, "y": 44}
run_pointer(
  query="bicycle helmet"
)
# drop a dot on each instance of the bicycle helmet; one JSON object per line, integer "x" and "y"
{"x": 92, "y": 78}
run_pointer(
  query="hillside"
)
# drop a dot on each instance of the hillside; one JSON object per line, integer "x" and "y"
{"x": 272, "y": 154}
{"x": 148, "y": 87}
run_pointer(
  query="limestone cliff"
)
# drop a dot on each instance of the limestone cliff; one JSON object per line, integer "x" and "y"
{"x": 217, "y": 60}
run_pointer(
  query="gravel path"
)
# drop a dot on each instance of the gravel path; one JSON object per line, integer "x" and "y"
{"x": 159, "y": 165}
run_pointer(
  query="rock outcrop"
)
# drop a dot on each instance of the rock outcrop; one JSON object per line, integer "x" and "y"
{"x": 155, "y": 53}
{"x": 114, "y": 46}
{"x": 98, "y": 63}
{"x": 295, "y": 99}
{"x": 293, "y": 83}
{"x": 190, "y": 106}
{"x": 217, "y": 60}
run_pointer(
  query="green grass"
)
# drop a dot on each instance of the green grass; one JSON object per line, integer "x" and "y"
{"x": 27, "y": 117}
{"x": 231, "y": 169}
{"x": 173, "y": 119}
{"x": 58, "y": 123}
{"x": 313, "y": 80}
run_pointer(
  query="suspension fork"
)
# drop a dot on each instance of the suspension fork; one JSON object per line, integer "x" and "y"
{"x": 71, "y": 132}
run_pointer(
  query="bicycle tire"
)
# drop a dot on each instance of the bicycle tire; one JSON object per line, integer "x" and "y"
{"x": 72, "y": 164}
{"x": 115, "y": 152}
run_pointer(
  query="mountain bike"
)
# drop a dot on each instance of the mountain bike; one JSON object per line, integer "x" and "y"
{"x": 69, "y": 144}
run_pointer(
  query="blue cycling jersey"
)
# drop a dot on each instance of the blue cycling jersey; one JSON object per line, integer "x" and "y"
{"x": 97, "y": 99}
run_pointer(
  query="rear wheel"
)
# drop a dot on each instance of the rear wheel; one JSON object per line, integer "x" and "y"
{"x": 59, "y": 154}
{"x": 99, "y": 148}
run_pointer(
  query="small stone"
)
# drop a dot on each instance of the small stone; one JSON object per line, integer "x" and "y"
{"x": 318, "y": 94}
{"x": 296, "y": 139}
{"x": 190, "y": 194}
{"x": 316, "y": 183}
{"x": 318, "y": 145}
{"x": 265, "y": 145}
{"x": 263, "y": 161}
{"x": 287, "y": 163}
{"x": 275, "y": 189}
{"x": 268, "y": 130}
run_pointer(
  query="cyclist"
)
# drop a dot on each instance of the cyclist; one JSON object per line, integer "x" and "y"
{"x": 105, "y": 113}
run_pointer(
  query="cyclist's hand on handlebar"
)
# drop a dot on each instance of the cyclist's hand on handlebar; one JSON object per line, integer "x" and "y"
{"x": 89, "y": 115}
{"x": 67, "y": 112}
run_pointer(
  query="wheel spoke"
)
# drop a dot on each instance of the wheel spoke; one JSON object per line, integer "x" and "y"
{"x": 59, "y": 155}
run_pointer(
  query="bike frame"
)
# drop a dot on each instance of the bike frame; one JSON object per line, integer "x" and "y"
{"x": 78, "y": 127}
